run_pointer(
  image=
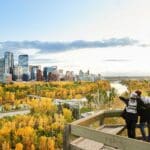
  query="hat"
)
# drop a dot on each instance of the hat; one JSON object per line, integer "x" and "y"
{"x": 133, "y": 95}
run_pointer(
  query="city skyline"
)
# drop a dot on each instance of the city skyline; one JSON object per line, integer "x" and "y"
{"x": 107, "y": 37}
{"x": 23, "y": 71}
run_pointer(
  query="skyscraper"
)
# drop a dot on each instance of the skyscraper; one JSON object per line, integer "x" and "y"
{"x": 1, "y": 69}
{"x": 47, "y": 71}
{"x": 2, "y": 64}
{"x": 23, "y": 62}
{"x": 6, "y": 69}
{"x": 8, "y": 62}
{"x": 39, "y": 75}
{"x": 33, "y": 71}
{"x": 17, "y": 73}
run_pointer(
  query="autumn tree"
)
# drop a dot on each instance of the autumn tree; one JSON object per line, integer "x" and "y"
{"x": 19, "y": 146}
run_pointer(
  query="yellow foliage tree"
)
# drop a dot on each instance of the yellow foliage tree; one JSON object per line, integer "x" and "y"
{"x": 32, "y": 147}
{"x": 5, "y": 146}
{"x": 42, "y": 143}
{"x": 67, "y": 114}
{"x": 50, "y": 144}
{"x": 19, "y": 146}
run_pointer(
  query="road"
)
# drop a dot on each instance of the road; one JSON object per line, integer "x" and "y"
{"x": 9, "y": 114}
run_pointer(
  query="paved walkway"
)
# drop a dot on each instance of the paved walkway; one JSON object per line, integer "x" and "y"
{"x": 21, "y": 112}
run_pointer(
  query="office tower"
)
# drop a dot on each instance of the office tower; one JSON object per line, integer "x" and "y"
{"x": 2, "y": 66}
{"x": 81, "y": 73}
{"x": 33, "y": 71}
{"x": 39, "y": 75}
{"x": 69, "y": 76}
{"x": 85, "y": 76}
{"x": 8, "y": 62}
{"x": 49, "y": 72}
{"x": 17, "y": 73}
{"x": 61, "y": 75}
{"x": 2, "y": 63}
{"x": 23, "y": 62}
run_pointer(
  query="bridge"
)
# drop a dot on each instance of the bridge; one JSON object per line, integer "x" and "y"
{"x": 83, "y": 134}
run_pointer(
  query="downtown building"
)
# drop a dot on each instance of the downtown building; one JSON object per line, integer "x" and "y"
{"x": 39, "y": 75}
{"x": 69, "y": 76}
{"x": 2, "y": 66}
{"x": 2, "y": 69}
{"x": 35, "y": 73}
{"x": 23, "y": 62}
{"x": 86, "y": 76}
{"x": 17, "y": 73}
{"x": 8, "y": 62}
{"x": 61, "y": 75}
{"x": 50, "y": 73}
{"x": 6, "y": 67}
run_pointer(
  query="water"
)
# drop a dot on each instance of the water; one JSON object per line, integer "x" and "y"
{"x": 120, "y": 88}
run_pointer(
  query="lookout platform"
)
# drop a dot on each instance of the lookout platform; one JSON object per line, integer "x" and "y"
{"x": 82, "y": 135}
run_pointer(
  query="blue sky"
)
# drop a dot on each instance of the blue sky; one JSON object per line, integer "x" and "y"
{"x": 55, "y": 32}
{"x": 54, "y": 19}
{"x": 43, "y": 19}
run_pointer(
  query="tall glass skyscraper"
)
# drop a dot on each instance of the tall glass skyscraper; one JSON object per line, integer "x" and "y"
{"x": 2, "y": 66}
{"x": 23, "y": 62}
{"x": 8, "y": 62}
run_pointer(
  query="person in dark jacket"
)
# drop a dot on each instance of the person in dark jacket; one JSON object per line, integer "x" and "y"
{"x": 144, "y": 115}
{"x": 131, "y": 112}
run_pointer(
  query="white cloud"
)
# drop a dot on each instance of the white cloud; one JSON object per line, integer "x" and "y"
{"x": 1, "y": 46}
{"x": 29, "y": 51}
{"x": 137, "y": 60}
{"x": 129, "y": 18}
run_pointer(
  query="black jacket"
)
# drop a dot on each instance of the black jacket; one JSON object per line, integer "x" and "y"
{"x": 145, "y": 113}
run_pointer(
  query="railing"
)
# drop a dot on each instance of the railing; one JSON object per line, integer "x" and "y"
{"x": 79, "y": 128}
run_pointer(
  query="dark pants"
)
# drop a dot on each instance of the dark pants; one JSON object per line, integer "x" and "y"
{"x": 131, "y": 125}
{"x": 148, "y": 125}
{"x": 142, "y": 126}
